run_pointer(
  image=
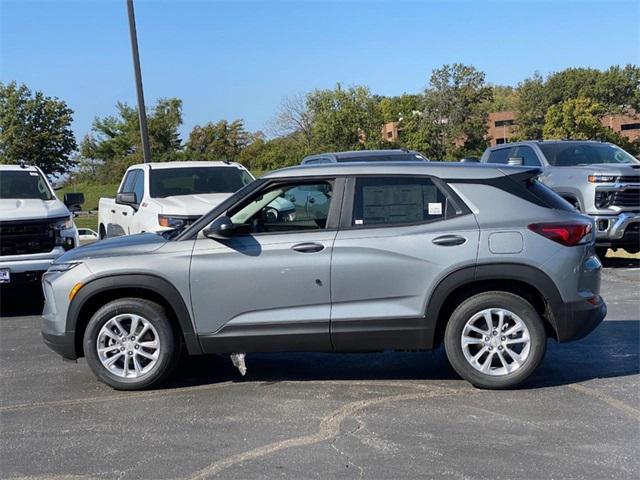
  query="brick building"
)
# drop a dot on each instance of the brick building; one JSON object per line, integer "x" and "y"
{"x": 501, "y": 126}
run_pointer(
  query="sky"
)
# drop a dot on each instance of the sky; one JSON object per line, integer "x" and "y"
{"x": 229, "y": 60}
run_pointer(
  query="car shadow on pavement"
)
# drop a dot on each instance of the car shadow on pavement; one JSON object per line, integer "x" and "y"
{"x": 612, "y": 350}
{"x": 21, "y": 302}
{"x": 620, "y": 262}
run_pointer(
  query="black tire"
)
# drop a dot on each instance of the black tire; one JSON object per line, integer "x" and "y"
{"x": 602, "y": 252}
{"x": 503, "y": 300}
{"x": 169, "y": 350}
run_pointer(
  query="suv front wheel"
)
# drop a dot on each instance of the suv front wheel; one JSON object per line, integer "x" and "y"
{"x": 130, "y": 345}
{"x": 495, "y": 340}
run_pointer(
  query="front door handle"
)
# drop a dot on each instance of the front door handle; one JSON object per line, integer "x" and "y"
{"x": 308, "y": 247}
{"x": 124, "y": 213}
{"x": 449, "y": 240}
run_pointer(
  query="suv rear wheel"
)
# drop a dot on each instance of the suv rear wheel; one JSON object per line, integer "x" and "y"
{"x": 130, "y": 344}
{"x": 495, "y": 340}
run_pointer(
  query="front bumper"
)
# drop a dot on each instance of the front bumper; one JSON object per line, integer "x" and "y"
{"x": 576, "y": 320}
{"x": 617, "y": 229}
{"x": 61, "y": 343}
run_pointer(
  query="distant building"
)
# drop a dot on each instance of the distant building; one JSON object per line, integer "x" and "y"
{"x": 626, "y": 124}
{"x": 391, "y": 131}
{"x": 501, "y": 127}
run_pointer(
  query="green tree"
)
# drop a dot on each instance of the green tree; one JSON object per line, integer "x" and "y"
{"x": 344, "y": 119}
{"x": 454, "y": 122}
{"x": 264, "y": 155}
{"x": 579, "y": 118}
{"x": 531, "y": 106}
{"x": 401, "y": 108}
{"x": 217, "y": 141}
{"x": 36, "y": 129}
{"x": 505, "y": 98}
{"x": 614, "y": 88}
{"x": 114, "y": 142}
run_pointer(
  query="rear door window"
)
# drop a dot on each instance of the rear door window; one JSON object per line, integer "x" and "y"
{"x": 397, "y": 201}
{"x": 499, "y": 156}
{"x": 529, "y": 157}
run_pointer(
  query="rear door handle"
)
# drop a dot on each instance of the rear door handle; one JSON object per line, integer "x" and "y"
{"x": 449, "y": 240}
{"x": 308, "y": 247}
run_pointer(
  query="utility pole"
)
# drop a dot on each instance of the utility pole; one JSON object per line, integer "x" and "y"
{"x": 142, "y": 113}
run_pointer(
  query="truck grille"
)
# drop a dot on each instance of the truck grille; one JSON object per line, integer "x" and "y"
{"x": 26, "y": 237}
{"x": 629, "y": 179}
{"x": 627, "y": 198}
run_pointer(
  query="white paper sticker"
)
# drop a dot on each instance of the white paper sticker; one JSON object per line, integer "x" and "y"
{"x": 435, "y": 208}
{"x": 359, "y": 222}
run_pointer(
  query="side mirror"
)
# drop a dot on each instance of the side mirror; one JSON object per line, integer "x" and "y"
{"x": 515, "y": 161}
{"x": 220, "y": 229}
{"x": 73, "y": 200}
{"x": 128, "y": 198}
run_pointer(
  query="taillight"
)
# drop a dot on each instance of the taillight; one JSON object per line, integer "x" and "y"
{"x": 568, "y": 234}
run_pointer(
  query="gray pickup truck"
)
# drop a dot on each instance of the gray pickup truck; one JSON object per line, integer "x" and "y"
{"x": 599, "y": 179}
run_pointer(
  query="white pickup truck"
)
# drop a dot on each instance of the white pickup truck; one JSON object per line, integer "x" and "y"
{"x": 35, "y": 227}
{"x": 156, "y": 197}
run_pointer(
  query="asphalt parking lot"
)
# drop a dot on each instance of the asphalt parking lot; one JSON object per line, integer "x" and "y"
{"x": 391, "y": 415}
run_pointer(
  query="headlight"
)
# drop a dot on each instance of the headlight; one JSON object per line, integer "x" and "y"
{"x": 171, "y": 222}
{"x": 602, "y": 178}
{"x": 63, "y": 224}
{"x": 62, "y": 267}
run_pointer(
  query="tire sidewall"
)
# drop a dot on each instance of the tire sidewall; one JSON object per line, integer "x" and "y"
{"x": 156, "y": 316}
{"x": 507, "y": 301}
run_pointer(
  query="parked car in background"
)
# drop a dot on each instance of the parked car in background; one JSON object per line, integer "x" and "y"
{"x": 404, "y": 256}
{"x": 86, "y": 235}
{"x": 156, "y": 197}
{"x": 599, "y": 179}
{"x": 35, "y": 227}
{"x": 401, "y": 155}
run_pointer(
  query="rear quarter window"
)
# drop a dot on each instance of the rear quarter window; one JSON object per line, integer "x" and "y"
{"x": 548, "y": 196}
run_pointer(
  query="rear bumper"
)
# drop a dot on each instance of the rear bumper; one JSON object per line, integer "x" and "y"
{"x": 576, "y": 320}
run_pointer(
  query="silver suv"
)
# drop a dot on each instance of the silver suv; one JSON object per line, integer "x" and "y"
{"x": 599, "y": 179}
{"x": 397, "y": 255}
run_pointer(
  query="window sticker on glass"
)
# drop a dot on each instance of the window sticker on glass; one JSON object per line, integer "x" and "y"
{"x": 392, "y": 203}
{"x": 359, "y": 222}
{"x": 435, "y": 208}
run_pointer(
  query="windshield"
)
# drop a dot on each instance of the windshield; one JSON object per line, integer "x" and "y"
{"x": 569, "y": 154}
{"x": 167, "y": 182}
{"x": 23, "y": 184}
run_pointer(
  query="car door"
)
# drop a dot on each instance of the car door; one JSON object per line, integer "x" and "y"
{"x": 119, "y": 215}
{"x": 399, "y": 236}
{"x": 267, "y": 287}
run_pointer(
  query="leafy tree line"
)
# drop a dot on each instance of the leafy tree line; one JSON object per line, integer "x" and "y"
{"x": 446, "y": 121}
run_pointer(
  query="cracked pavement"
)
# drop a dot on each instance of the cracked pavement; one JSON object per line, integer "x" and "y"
{"x": 390, "y": 415}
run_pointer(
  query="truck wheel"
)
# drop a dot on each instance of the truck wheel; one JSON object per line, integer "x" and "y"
{"x": 602, "y": 252}
{"x": 495, "y": 340}
{"x": 130, "y": 344}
